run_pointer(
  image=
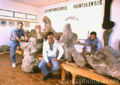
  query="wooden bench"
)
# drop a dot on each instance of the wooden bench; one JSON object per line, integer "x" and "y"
{"x": 4, "y": 52}
{"x": 17, "y": 51}
{"x": 85, "y": 72}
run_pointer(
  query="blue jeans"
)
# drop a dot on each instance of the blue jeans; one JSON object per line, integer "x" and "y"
{"x": 55, "y": 66}
{"x": 13, "y": 46}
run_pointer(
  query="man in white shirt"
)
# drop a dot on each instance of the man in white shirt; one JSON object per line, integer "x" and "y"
{"x": 50, "y": 58}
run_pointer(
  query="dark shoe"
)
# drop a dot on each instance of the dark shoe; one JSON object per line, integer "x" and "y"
{"x": 48, "y": 76}
{"x": 45, "y": 77}
{"x": 51, "y": 75}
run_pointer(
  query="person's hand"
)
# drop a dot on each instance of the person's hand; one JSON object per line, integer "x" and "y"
{"x": 49, "y": 65}
{"x": 55, "y": 59}
{"x": 26, "y": 38}
{"x": 63, "y": 44}
{"x": 84, "y": 50}
{"x": 21, "y": 41}
{"x": 92, "y": 47}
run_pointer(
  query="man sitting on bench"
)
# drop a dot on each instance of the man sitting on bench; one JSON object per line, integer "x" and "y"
{"x": 50, "y": 59}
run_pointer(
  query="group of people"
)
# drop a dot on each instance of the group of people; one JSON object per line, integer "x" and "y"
{"x": 51, "y": 46}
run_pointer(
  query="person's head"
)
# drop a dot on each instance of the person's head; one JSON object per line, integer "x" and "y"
{"x": 20, "y": 25}
{"x": 93, "y": 35}
{"x": 50, "y": 37}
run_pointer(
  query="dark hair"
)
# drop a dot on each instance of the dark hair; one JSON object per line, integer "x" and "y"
{"x": 93, "y": 33}
{"x": 49, "y": 33}
{"x": 19, "y": 23}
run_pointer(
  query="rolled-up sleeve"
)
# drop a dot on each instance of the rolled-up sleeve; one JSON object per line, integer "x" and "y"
{"x": 13, "y": 35}
{"x": 99, "y": 45}
{"x": 86, "y": 44}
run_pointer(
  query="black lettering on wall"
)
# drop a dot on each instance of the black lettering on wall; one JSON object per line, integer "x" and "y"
{"x": 56, "y": 9}
{"x": 100, "y": 2}
{"x": 88, "y": 4}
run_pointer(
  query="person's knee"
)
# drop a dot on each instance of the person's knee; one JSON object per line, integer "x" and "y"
{"x": 56, "y": 67}
{"x": 41, "y": 65}
{"x": 13, "y": 52}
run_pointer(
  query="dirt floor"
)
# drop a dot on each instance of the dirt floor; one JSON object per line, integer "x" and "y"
{"x": 15, "y": 76}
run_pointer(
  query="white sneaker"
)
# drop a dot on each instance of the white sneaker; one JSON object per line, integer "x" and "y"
{"x": 13, "y": 65}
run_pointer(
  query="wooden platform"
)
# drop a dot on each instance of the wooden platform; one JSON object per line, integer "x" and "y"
{"x": 4, "y": 52}
{"x": 85, "y": 72}
{"x": 17, "y": 51}
{"x": 88, "y": 73}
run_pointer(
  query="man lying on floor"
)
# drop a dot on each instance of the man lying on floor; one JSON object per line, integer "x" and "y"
{"x": 50, "y": 58}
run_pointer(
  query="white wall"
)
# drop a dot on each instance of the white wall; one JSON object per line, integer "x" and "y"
{"x": 9, "y": 5}
{"x": 115, "y": 37}
{"x": 89, "y": 18}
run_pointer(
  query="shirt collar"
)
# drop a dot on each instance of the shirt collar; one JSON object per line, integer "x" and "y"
{"x": 54, "y": 41}
{"x": 93, "y": 40}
